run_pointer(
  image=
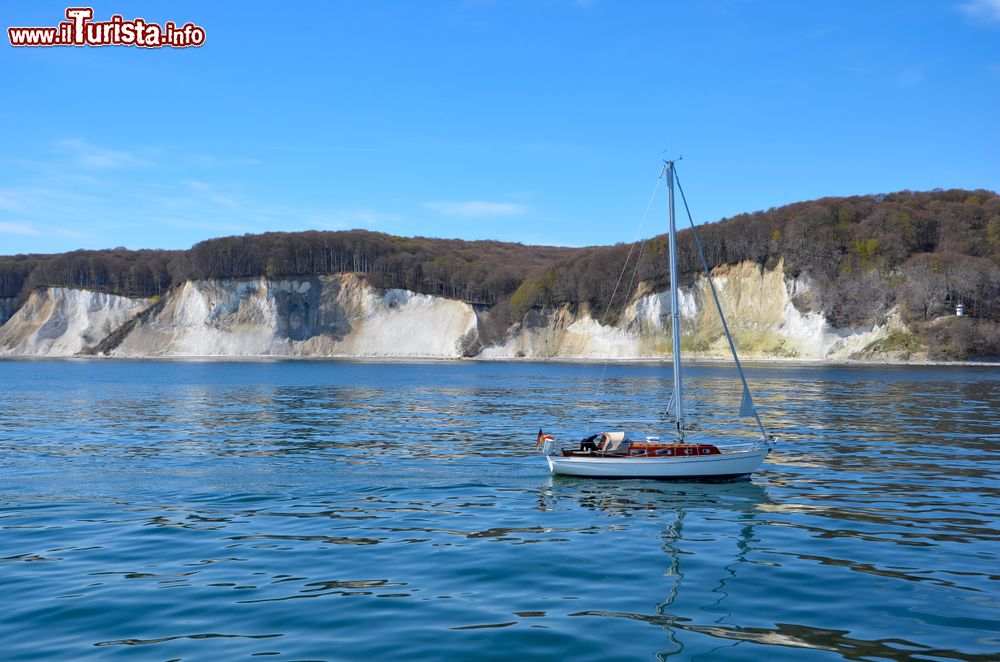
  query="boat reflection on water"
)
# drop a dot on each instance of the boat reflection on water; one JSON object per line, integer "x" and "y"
{"x": 713, "y": 539}
{"x": 734, "y": 510}
{"x": 632, "y": 497}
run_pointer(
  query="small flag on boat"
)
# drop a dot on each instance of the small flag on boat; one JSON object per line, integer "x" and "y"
{"x": 542, "y": 437}
{"x": 746, "y": 405}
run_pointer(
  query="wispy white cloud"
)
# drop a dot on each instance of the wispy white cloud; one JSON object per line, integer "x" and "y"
{"x": 910, "y": 77}
{"x": 71, "y": 234}
{"x": 212, "y": 226}
{"x": 813, "y": 35}
{"x": 19, "y": 228}
{"x": 211, "y": 194}
{"x": 368, "y": 215}
{"x": 366, "y": 218}
{"x": 476, "y": 208}
{"x": 984, "y": 11}
{"x": 10, "y": 201}
{"x": 89, "y": 155}
{"x": 79, "y": 194}
{"x": 211, "y": 160}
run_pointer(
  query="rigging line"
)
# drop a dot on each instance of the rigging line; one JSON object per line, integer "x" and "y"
{"x": 635, "y": 271}
{"x": 642, "y": 223}
{"x": 607, "y": 308}
{"x": 631, "y": 282}
{"x": 718, "y": 307}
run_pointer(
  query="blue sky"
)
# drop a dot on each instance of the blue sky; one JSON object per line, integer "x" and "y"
{"x": 536, "y": 121}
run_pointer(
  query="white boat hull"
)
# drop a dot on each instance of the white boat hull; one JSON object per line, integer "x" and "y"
{"x": 725, "y": 465}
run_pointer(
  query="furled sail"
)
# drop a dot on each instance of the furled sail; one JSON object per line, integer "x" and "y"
{"x": 746, "y": 404}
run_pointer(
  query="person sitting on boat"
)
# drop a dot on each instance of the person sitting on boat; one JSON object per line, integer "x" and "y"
{"x": 605, "y": 442}
{"x": 590, "y": 443}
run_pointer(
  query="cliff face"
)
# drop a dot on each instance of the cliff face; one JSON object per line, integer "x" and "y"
{"x": 61, "y": 321}
{"x": 768, "y": 316}
{"x": 323, "y": 316}
{"x": 343, "y": 316}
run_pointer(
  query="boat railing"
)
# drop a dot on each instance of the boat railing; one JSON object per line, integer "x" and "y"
{"x": 745, "y": 447}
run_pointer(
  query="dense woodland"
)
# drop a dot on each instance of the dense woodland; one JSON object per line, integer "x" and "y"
{"x": 924, "y": 252}
{"x": 475, "y": 271}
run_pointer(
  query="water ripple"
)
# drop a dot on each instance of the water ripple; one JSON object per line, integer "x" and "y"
{"x": 367, "y": 510}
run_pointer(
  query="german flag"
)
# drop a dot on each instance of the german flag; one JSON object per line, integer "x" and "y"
{"x": 542, "y": 438}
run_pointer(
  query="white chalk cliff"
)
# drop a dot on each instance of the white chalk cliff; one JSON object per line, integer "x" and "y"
{"x": 761, "y": 308}
{"x": 325, "y": 316}
{"x": 62, "y": 321}
{"x": 344, "y": 316}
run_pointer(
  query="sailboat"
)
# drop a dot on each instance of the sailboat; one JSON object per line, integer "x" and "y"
{"x": 673, "y": 454}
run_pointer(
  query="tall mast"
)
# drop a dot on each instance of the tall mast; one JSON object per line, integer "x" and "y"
{"x": 675, "y": 310}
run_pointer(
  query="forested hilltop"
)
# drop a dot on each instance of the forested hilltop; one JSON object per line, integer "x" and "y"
{"x": 918, "y": 253}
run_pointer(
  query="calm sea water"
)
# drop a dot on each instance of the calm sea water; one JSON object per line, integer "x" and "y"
{"x": 340, "y": 510}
